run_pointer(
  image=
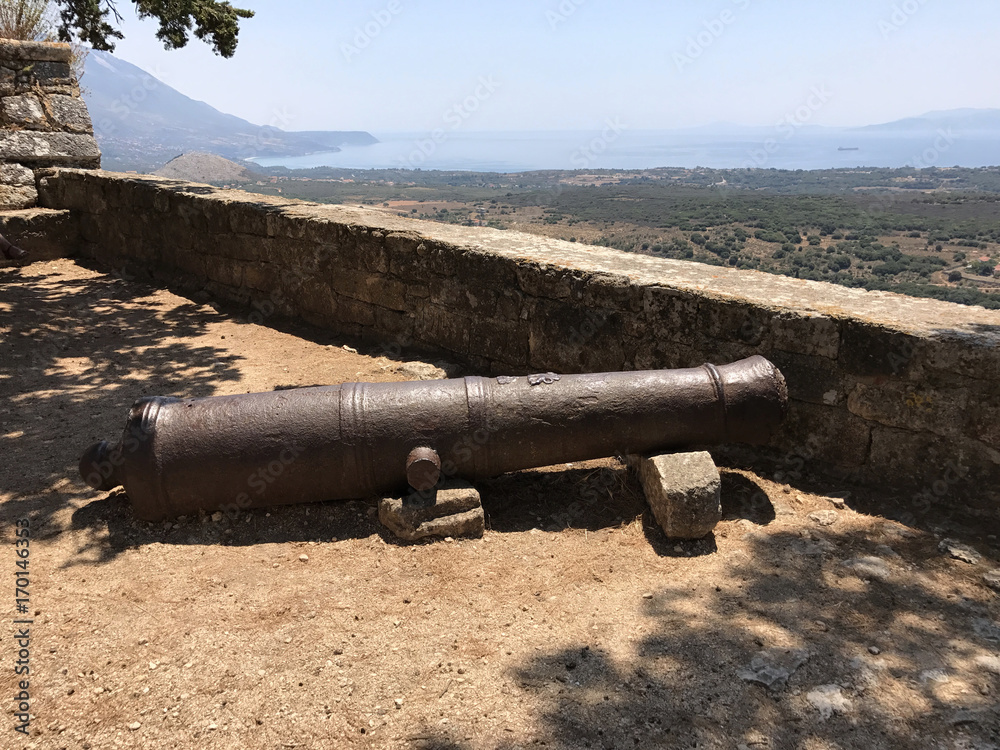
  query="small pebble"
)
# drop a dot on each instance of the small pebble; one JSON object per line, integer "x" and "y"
{"x": 960, "y": 551}
{"x": 134, "y": 725}
{"x": 824, "y": 517}
{"x": 828, "y": 700}
{"x": 874, "y": 650}
{"x": 869, "y": 567}
{"x": 648, "y": 595}
{"x": 992, "y": 579}
{"x": 303, "y": 558}
{"x": 216, "y": 517}
{"x": 989, "y": 663}
{"x": 398, "y": 702}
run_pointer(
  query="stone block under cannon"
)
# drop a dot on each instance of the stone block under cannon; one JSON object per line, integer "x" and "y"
{"x": 228, "y": 453}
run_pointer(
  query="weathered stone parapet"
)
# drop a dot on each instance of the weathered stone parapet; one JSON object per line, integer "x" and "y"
{"x": 883, "y": 388}
{"x": 43, "y": 120}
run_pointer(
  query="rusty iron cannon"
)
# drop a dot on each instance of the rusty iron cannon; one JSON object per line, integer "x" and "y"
{"x": 182, "y": 456}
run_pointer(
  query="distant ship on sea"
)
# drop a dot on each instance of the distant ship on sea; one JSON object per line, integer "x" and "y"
{"x": 849, "y": 148}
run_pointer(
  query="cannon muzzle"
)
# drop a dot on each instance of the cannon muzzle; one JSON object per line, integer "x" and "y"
{"x": 181, "y": 456}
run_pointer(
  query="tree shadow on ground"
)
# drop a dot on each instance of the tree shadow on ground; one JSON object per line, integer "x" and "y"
{"x": 798, "y": 646}
{"x": 75, "y": 353}
{"x": 942, "y": 516}
{"x": 399, "y": 349}
{"x": 113, "y": 528}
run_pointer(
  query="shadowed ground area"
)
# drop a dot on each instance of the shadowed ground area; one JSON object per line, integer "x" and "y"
{"x": 801, "y": 623}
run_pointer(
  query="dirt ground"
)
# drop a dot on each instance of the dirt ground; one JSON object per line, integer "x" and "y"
{"x": 572, "y": 624}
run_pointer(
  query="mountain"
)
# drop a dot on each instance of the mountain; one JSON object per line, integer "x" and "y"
{"x": 956, "y": 119}
{"x": 141, "y": 122}
{"x": 198, "y": 166}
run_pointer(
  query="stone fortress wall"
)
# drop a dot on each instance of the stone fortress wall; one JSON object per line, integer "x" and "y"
{"x": 885, "y": 389}
{"x": 43, "y": 123}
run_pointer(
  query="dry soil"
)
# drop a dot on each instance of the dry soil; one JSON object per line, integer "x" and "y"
{"x": 573, "y": 623}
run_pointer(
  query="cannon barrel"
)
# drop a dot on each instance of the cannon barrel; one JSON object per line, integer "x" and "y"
{"x": 181, "y": 456}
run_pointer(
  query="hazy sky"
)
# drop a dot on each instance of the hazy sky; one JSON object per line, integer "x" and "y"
{"x": 391, "y": 65}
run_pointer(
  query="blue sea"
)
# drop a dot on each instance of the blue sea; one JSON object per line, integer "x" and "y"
{"x": 618, "y": 148}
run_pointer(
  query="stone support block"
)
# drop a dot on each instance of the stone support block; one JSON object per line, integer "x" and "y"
{"x": 684, "y": 491}
{"x": 455, "y": 510}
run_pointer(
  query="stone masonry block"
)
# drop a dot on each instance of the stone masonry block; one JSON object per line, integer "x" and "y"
{"x": 912, "y": 406}
{"x": 370, "y": 288}
{"x": 829, "y": 434}
{"x": 500, "y": 340}
{"x": 17, "y": 187}
{"x": 49, "y": 73}
{"x": 541, "y": 281}
{"x": 45, "y": 149}
{"x": 671, "y": 315}
{"x": 24, "y": 110}
{"x": 875, "y": 351}
{"x": 814, "y": 335}
{"x": 70, "y": 113}
{"x": 454, "y": 509}
{"x": 570, "y": 338}
{"x": 736, "y": 321}
{"x": 612, "y": 292}
{"x": 436, "y": 326}
{"x": 684, "y": 491}
{"x": 812, "y": 378}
